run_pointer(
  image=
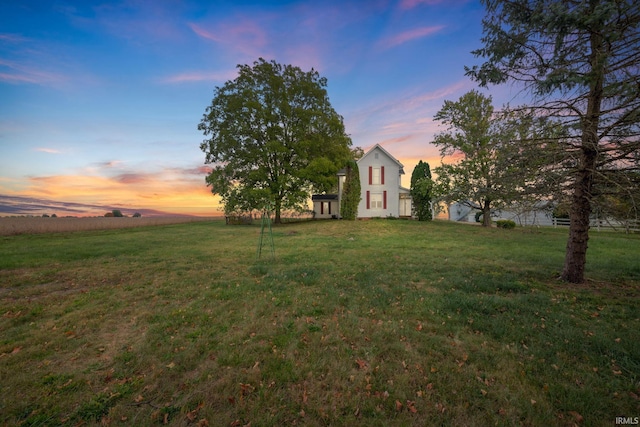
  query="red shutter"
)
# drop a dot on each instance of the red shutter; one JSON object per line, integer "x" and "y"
{"x": 382, "y": 175}
{"x": 368, "y": 199}
{"x": 321, "y": 208}
{"x": 370, "y": 176}
{"x": 384, "y": 200}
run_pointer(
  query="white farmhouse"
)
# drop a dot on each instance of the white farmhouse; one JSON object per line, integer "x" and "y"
{"x": 382, "y": 193}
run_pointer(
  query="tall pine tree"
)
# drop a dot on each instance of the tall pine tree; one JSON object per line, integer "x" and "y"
{"x": 351, "y": 192}
{"x": 421, "y": 191}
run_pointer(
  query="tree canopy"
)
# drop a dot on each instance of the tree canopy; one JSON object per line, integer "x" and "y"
{"x": 579, "y": 60}
{"x": 487, "y": 170}
{"x": 272, "y": 137}
{"x": 351, "y": 192}
{"x": 421, "y": 191}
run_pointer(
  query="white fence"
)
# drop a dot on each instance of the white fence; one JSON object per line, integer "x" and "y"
{"x": 631, "y": 226}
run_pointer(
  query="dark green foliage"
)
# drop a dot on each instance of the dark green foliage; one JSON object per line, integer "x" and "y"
{"x": 351, "y": 192}
{"x": 117, "y": 213}
{"x": 579, "y": 60}
{"x": 505, "y": 223}
{"x": 272, "y": 137}
{"x": 421, "y": 191}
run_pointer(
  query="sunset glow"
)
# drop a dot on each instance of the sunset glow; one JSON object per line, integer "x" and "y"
{"x": 100, "y": 100}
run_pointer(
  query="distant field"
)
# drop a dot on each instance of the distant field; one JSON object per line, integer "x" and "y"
{"x": 366, "y": 323}
{"x": 32, "y": 225}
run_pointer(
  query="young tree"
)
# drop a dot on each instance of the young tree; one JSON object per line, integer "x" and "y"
{"x": 273, "y": 138}
{"x": 579, "y": 60}
{"x": 484, "y": 175}
{"x": 351, "y": 194}
{"x": 421, "y": 191}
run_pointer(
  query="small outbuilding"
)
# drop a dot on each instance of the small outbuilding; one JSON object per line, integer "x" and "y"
{"x": 325, "y": 206}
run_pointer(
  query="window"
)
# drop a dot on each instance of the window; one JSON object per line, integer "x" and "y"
{"x": 376, "y": 200}
{"x": 375, "y": 177}
{"x": 325, "y": 207}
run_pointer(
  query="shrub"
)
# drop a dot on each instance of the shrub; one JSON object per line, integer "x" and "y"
{"x": 137, "y": 215}
{"x": 117, "y": 213}
{"x": 505, "y": 223}
{"x": 109, "y": 215}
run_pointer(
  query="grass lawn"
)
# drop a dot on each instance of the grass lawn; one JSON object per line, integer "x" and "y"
{"x": 370, "y": 323}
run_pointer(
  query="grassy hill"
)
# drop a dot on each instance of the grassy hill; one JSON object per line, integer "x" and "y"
{"x": 370, "y": 323}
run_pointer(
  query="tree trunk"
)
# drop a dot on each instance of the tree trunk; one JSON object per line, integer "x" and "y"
{"x": 576, "y": 256}
{"x": 486, "y": 214}
{"x": 278, "y": 209}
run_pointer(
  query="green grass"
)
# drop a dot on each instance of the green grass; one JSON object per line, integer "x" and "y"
{"x": 370, "y": 323}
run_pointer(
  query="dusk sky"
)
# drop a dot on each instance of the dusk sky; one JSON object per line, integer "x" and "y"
{"x": 100, "y": 100}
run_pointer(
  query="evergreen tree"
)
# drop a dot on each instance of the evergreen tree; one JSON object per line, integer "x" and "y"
{"x": 579, "y": 60}
{"x": 421, "y": 191}
{"x": 351, "y": 192}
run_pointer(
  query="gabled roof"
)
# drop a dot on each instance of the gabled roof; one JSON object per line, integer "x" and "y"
{"x": 400, "y": 165}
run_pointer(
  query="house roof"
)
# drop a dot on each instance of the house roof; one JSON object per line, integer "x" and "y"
{"x": 400, "y": 165}
{"x": 324, "y": 197}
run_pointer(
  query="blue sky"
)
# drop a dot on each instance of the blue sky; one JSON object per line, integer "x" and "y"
{"x": 100, "y": 100}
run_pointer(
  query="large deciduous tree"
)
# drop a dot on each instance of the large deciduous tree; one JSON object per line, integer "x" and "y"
{"x": 482, "y": 173}
{"x": 273, "y": 138}
{"x": 580, "y": 59}
{"x": 421, "y": 191}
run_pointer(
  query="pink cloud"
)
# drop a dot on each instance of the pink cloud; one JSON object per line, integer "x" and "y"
{"x": 48, "y": 150}
{"x": 400, "y": 139}
{"x": 247, "y": 36}
{"x": 410, "y": 35}
{"x": 19, "y": 73}
{"x": 410, "y": 4}
{"x": 200, "y": 76}
{"x": 162, "y": 189}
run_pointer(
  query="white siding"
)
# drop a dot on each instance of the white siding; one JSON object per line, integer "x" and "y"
{"x": 391, "y": 184}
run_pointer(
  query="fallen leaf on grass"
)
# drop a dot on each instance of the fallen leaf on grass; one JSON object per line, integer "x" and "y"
{"x": 16, "y": 350}
{"x": 192, "y": 415}
{"x": 246, "y": 389}
{"x": 398, "y": 406}
{"x": 411, "y": 406}
{"x": 171, "y": 365}
{"x": 362, "y": 364}
{"x": 576, "y": 416}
